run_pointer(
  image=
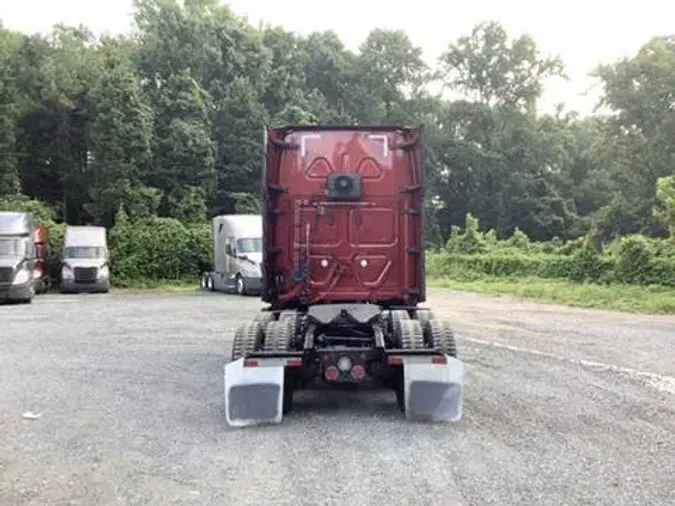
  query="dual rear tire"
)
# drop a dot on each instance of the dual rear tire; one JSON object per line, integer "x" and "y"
{"x": 207, "y": 283}
{"x": 423, "y": 333}
{"x": 264, "y": 333}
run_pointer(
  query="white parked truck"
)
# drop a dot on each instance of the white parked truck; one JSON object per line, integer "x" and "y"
{"x": 17, "y": 256}
{"x": 85, "y": 260}
{"x": 237, "y": 254}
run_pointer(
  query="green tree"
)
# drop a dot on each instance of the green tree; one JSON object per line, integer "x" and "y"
{"x": 391, "y": 68}
{"x": 239, "y": 129}
{"x": 185, "y": 154}
{"x": 494, "y": 70}
{"x": 665, "y": 208}
{"x": 121, "y": 133}
{"x": 9, "y": 173}
{"x": 640, "y": 92}
{"x": 56, "y": 73}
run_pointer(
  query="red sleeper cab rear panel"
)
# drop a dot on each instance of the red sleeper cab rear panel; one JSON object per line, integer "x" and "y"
{"x": 366, "y": 250}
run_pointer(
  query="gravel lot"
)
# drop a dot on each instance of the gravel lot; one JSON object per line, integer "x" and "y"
{"x": 564, "y": 407}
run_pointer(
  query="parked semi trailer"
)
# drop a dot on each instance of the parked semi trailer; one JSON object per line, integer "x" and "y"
{"x": 85, "y": 260}
{"x": 344, "y": 277}
{"x": 237, "y": 255}
{"x": 17, "y": 256}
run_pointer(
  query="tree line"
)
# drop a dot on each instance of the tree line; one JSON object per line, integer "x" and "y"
{"x": 166, "y": 121}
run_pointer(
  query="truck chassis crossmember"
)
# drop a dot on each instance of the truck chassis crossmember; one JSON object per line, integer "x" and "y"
{"x": 407, "y": 350}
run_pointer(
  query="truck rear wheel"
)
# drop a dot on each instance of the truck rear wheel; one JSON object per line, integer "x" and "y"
{"x": 410, "y": 337}
{"x": 423, "y": 316}
{"x": 248, "y": 338}
{"x": 264, "y": 318}
{"x": 439, "y": 334}
{"x": 279, "y": 336}
{"x": 240, "y": 285}
{"x": 396, "y": 317}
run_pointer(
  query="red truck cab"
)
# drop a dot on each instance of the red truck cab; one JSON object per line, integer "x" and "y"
{"x": 42, "y": 260}
{"x": 345, "y": 216}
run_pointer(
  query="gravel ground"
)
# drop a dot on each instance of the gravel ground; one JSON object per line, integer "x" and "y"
{"x": 563, "y": 407}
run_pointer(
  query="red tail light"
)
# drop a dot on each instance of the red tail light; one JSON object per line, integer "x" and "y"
{"x": 250, "y": 363}
{"x": 439, "y": 360}
{"x": 331, "y": 373}
{"x": 358, "y": 372}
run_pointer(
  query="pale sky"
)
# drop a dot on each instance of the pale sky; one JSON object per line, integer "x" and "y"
{"x": 583, "y": 33}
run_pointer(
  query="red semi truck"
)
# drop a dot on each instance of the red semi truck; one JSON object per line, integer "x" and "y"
{"x": 343, "y": 274}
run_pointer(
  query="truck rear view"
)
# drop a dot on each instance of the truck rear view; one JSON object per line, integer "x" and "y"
{"x": 343, "y": 273}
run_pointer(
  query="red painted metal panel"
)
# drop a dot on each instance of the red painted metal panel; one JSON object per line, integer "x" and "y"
{"x": 367, "y": 250}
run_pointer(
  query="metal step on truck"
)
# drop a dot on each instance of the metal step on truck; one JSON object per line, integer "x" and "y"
{"x": 343, "y": 275}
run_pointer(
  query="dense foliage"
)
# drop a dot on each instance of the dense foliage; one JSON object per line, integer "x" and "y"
{"x": 470, "y": 254}
{"x": 166, "y": 123}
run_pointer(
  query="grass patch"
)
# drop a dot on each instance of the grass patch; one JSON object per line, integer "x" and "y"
{"x": 166, "y": 285}
{"x": 628, "y": 298}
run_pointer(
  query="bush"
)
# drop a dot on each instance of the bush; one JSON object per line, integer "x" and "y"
{"x": 634, "y": 260}
{"x": 637, "y": 260}
{"x": 635, "y": 265}
{"x": 157, "y": 249}
{"x": 471, "y": 254}
{"x": 471, "y": 241}
{"x": 588, "y": 265}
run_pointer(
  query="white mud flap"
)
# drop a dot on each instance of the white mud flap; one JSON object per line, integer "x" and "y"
{"x": 254, "y": 395}
{"x": 433, "y": 391}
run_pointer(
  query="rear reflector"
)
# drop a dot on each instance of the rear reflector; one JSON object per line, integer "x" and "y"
{"x": 331, "y": 373}
{"x": 358, "y": 372}
{"x": 250, "y": 363}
